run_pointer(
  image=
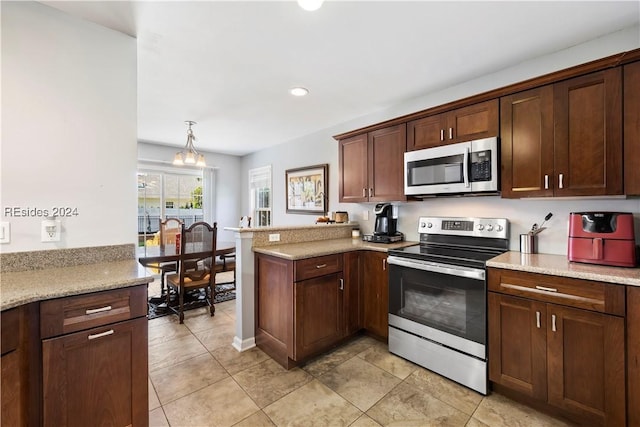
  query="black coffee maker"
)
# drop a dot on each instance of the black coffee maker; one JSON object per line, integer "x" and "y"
{"x": 385, "y": 222}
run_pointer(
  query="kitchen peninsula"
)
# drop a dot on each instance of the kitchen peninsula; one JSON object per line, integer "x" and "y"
{"x": 69, "y": 327}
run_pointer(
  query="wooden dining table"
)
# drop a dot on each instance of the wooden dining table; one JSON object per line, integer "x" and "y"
{"x": 156, "y": 254}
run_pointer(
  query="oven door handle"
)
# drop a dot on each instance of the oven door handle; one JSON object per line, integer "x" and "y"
{"x": 453, "y": 270}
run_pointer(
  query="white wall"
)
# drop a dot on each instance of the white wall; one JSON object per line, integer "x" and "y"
{"x": 322, "y": 148}
{"x": 227, "y": 189}
{"x": 68, "y": 127}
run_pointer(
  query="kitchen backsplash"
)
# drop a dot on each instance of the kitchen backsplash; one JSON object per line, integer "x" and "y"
{"x": 521, "y": 213}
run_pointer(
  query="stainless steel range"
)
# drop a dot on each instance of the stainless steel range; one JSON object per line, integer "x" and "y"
{"x": 437, "y": 296}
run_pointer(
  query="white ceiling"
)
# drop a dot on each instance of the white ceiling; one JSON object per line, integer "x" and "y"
{"x": 229, "y": 64}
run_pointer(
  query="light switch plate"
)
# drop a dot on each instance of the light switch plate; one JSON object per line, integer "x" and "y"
{"x": 5, "y": 232}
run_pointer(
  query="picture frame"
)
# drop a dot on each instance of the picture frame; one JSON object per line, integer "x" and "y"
{"x": 307, "y": 189}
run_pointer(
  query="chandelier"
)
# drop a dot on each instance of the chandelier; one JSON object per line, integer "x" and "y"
{"x": 189, "y": 155}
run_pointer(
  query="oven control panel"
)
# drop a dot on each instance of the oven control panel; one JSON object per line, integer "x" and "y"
{"x": 467, "y": 226}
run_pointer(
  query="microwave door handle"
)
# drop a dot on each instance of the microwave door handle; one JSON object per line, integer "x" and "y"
{"x": 465, "y": 167}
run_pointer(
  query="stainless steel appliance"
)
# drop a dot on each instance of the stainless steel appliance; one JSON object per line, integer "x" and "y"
{"x": 437, "y": 296}
{"x": 465, "y": 167}
{"x": 605, "y": 238}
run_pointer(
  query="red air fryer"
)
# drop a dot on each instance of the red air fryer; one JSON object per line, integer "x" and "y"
{"x": 605, "y": 238}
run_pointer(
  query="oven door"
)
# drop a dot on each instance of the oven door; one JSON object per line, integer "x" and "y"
{"x": 441, "y": 302}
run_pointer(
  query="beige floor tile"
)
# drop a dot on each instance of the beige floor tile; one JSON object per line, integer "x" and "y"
{"x": 200, "y": 320}
{"x": 234, "y": 361}
{"x": 227, "y": 306}
{"x": 409, "y": 406}
{"x": 154, "y": 402}
{"x": 157, "y": 418}
{"x": 221, "y": 404}
{"x": 313, "y": 404}
{"x": 216, "y": 338}
{"x": 259, "y": 419}
{"x": 475, "y": 423}
{"x": 365, "y": 421}
{"x": 379, "y": 356}
{"x": 176, "y": 381}
{"x": 158, "y": 321}
{"x": 498, "y": 411}
{"x": 330, "y": 360}
{"x": 175, "y": 351}
{"x": 359, "y": 382}
{"x": 446, "y": 390}
{"x": 267, "y": 382}
{"x": 166, "y": 331}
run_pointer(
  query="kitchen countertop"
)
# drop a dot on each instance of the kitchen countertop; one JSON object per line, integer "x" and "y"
{"x": 296, "y": 251}
{"x": 23, "y": 287}
{"x": 559, "y": 265}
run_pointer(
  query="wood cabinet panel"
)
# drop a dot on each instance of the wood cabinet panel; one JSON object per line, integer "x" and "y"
{"x": 517, "y": 344}
{"x": 588, "y": 134}
{"x": 632, "y": 129}
{"x": 426, "y": 132}
{"x": 476, "y": 121}
{"x": 526, "y": 121}
{"x": 353, "y": 302}
{"x": 633, "y": 355}
{"x": 317, "y": 266}
{"x": 376, "y": 293}
{"x": 586, "y": 364}
{"x": 318, "y": 314}
{"x": 386, "y": 164}
{"x": 353, "y": 172}
{"x": 97, "y": 377}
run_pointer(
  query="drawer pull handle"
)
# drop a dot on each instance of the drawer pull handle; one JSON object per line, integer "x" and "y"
{"x": 538, "y": 319}
{"x": 553, "y": 323}
{"x": 321, "y": 266}
{"x": 98, "y": 310}
{"x": 544, "y": 288}
{"x": 101, "y": 334}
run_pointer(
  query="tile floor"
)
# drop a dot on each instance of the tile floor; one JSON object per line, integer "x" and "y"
{"x": 196, "y": 378}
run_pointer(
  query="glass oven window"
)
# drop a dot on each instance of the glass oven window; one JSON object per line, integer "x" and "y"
{"x": 448, "y": 303}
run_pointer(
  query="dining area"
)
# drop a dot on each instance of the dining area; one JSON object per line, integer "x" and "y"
{"x": 192, "y": 267}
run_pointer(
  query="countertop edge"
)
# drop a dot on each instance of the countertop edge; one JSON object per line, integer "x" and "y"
{"x": 298, "y": 251}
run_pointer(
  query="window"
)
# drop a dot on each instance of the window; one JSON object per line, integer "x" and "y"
{"x": 260, "y": 196}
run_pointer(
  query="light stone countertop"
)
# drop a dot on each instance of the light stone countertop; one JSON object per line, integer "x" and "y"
{"x": 296, "y": 251}
{"x": 559, "y": 265}
{"x": 23, "y": 287}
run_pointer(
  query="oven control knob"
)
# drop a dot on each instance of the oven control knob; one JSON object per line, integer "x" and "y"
{"x": 499, "y": 228}
{"x": 429, "y": 225}
{"x": 489, "y": 227}
{"x": 480, "y": 227}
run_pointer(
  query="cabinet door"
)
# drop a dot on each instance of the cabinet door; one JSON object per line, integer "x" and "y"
{"x": 97, "y": 377}
{"x": 426, "y": 132}
{"x": 375, "y": 282}
{"x": 386, "y": 164}
{"x": 586, "y": 365}
{"x": 517, "y": 344}
{"x": 318, "y": 314}
{"x": 633, "y": 354}
{"x": 632, "y": 129}
{"x": 473, "y": 122}
{"x": 526, "y": 133}
{"x": 353, "y": 171}
{"x": 588, "y": 134}
{"x": 352, "y": 312}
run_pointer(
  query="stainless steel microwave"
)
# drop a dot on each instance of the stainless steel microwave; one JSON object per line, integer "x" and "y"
{"x": 465, "y": 167}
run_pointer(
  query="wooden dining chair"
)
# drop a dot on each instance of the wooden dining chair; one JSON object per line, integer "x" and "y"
{"x": 168, "y": 229}
{"x": 196, "y": 265}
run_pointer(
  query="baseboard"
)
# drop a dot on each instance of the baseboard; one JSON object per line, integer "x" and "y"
{"x": 243, "y": 345}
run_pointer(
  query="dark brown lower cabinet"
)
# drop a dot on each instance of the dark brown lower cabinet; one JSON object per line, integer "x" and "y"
{"x": 633, "y": 355}
{"x": 97, "y": 377}
{"x": 375, "y": 289}
{"x": 571, "y": 359}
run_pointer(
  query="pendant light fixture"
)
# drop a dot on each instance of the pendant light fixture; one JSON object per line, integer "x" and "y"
{"x": 189, "y": 155}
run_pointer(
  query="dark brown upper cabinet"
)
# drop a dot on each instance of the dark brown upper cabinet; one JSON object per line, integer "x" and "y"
{"x": 632, "y": 129}
{"x": 463, "y": 124}
{"x": 564, "y": 139}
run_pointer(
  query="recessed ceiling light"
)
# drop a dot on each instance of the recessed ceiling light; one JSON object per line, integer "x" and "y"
{"x": 310, "y": 5}
{"x": 298, "y": 91}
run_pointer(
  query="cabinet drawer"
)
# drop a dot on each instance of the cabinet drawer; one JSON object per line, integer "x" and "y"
{"x": 585, "y": 294}
{"x": 72, "y": 314}
{"x": 318, "y": 266}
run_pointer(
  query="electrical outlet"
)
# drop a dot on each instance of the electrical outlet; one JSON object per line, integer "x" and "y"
{"x": 274, "y": 237}
{"x": 5, "y": 232}
{"x": 50, "y": 230}
{"x": 365, "y": 215}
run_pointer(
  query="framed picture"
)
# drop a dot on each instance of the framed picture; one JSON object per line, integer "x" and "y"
{"x": 307, "y": 189}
